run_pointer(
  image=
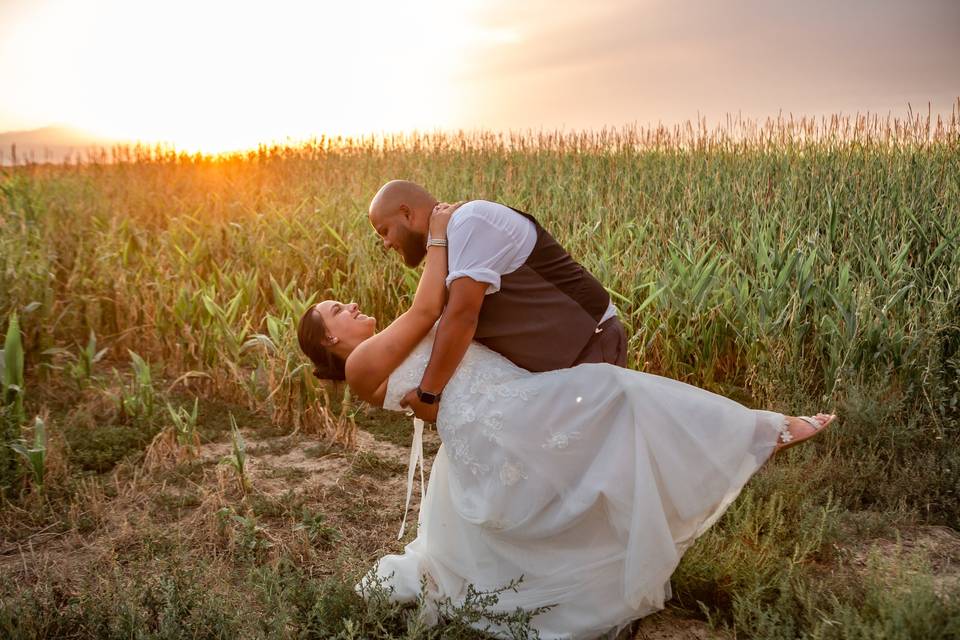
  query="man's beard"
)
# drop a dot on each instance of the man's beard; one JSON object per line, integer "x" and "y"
{"x": 413, "y": 247}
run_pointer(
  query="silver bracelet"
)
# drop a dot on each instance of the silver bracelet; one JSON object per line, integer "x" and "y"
{"x": 436, "y": 242}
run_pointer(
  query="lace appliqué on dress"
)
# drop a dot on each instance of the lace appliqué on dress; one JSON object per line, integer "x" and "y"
{"x": 492, "y": 426}
{"x": 511, "y": 473}
{"x": 560, "y": 440}
{"x": 469, "y": 408}
{"x": 468, "y": 416}
{"x": 462, "y": 454}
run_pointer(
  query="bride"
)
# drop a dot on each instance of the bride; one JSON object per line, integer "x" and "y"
{"x": 588, "y": 482}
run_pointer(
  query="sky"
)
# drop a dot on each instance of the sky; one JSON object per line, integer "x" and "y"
{"x": 218, "y": 75}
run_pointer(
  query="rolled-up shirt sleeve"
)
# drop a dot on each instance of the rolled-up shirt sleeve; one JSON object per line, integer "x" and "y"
{"x": 480, "y": 249}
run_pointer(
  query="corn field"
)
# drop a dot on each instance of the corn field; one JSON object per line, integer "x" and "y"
{"x": 821, "y": 256}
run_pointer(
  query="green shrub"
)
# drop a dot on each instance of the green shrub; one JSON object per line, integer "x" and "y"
{"x": 100, "y": 449}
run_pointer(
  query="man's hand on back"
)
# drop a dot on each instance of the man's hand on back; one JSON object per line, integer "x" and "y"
{"x": 457, "y": 326}
{"x": 426, "y": 412}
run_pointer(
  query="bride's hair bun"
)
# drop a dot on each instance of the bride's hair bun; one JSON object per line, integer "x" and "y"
{"x": 310, "y": 332}
{"x": 333, "y": 368}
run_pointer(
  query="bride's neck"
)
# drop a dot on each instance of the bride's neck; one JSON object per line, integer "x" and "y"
{"x": 344, "y": 348}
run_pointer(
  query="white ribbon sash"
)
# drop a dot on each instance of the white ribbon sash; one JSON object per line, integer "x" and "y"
{"x": 416, "y": 456}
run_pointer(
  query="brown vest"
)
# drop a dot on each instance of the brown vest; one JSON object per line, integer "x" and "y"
{"x": 546, "y": 311}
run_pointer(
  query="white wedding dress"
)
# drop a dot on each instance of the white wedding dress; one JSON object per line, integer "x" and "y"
{"x": 590, "y": 482}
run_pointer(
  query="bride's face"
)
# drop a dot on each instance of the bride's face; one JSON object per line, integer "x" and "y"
{"x": 344, "y": 321}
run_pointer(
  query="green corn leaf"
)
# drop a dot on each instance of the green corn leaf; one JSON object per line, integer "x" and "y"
{"x": 274, "y": 329}
{"x": 301, "y": 367}
{"x": 212, "y": 307}
{"x": 895, "y": 265}
{"x": 945, "y": 244}
{"x": 807, "y": 265}
{"x": 139, "y": 364}
{"x": 35, "y": 456}
{"x": 13, "y": 355}
{"x": 91, "y": 347}
{"x": 828, "y": 321}
{"x": 233, "y": 306}
{"x": 700, "y": 289}
{"x": 878, "y": 275}
{"x": 786, "y": 271}
{"x": 917, "y": 226}
{"x": 181, "y": 252}
{"x": 895, "y": 298}
{"x": 259, "y": 340}
{"x": 653, "y": 296}
{"x": 843, "y": 280}
{"x": 20, "y": 447}
{"x": 762, "y": 254}
{"x": 618, "y": 296}
{"x": 239, "y": 446}
{"x": 336, "y": 236}
{"x": 174, "y": 415}
{"x": 280, "y": 298}
{"x": 834, "y": 215}
{"x": 39, "y": 434}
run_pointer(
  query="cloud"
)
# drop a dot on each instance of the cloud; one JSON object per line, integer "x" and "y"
{"x": 615, "y": 62}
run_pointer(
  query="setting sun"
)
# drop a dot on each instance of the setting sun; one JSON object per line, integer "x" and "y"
{"x": 225, "y": 75}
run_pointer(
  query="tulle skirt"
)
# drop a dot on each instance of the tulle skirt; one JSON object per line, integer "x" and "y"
{"x": 588, "y": 483}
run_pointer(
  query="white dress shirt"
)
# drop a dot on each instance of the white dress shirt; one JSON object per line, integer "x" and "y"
{"x": 487, "y": 240}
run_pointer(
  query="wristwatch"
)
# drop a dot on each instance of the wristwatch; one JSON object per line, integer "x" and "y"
{"x": 426, "y": 397}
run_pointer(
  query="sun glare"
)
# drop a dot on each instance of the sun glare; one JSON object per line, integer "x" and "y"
{"x": 217, "y": 76}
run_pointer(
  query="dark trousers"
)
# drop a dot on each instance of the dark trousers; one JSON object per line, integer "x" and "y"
{"x": 609, "y": 345}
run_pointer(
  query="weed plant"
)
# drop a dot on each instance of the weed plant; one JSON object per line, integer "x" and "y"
{"x": 34, "y": 456}
{"x": 237, "y": 459}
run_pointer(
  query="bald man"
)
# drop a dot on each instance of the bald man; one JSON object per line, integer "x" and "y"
{"x": 511, "y": 287}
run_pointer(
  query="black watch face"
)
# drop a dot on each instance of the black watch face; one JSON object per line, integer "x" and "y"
{"x": 427, "y": 398}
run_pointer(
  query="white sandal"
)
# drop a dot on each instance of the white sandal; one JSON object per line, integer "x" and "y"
{"x": 788, "y": 439}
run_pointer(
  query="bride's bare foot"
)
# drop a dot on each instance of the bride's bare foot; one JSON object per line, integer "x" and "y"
{"x": 798, "y": 429}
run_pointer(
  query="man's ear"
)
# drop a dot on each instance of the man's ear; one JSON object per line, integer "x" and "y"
{"x": 406, "y": 213}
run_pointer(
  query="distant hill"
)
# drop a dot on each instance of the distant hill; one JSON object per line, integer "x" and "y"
{"x": 48, "y": 144}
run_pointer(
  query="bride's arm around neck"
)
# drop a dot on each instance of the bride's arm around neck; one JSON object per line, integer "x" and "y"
{"x": 372, "y": 362}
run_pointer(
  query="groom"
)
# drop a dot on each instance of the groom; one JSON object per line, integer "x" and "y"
{"x": 512, "y": 287}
